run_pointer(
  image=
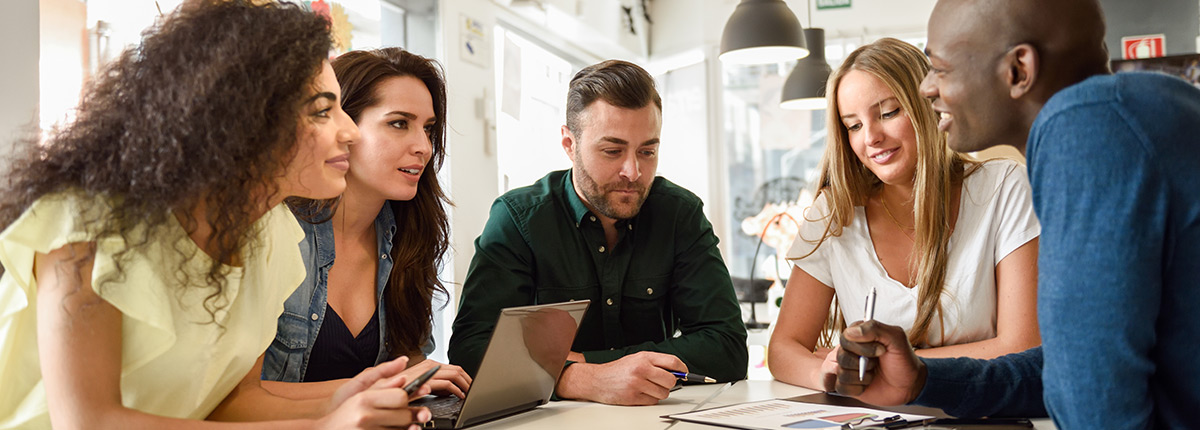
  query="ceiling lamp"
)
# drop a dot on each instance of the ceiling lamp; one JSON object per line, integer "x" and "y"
{"x": 762, "y": 31}
{"x": 805, "y": 86}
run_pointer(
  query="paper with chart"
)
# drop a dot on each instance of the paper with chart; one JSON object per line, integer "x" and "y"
{"x": 786, "y": 414}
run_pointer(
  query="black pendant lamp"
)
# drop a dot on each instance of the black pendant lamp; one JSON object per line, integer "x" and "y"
{"x": 762, "y": 31}
{"x": 805, "y": 86}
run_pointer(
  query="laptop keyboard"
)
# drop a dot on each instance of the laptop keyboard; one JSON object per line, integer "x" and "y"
{"x": 444, "y": 407}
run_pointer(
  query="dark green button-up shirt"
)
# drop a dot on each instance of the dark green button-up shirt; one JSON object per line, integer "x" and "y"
{"x": 663, "y": 287}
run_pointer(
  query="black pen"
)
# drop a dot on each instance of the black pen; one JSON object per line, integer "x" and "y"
{"x": 892, "y": 422}
{"x": 692, "y": 377}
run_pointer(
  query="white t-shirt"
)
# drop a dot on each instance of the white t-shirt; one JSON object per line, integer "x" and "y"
{"x": 995, "y": 218}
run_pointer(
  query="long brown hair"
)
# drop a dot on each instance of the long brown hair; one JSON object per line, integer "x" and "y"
{"x": 422, "y": 226}
{"x": 845, "y": 182}
{"x": 204, "y": 111}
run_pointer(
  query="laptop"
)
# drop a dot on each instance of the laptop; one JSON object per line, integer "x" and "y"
{"x": 520, "y": 367}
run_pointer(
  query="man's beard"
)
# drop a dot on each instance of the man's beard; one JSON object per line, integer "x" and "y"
{"x": 601, "y": 200}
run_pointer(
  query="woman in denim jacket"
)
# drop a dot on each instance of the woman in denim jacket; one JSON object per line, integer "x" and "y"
{"x": 372, "y": 256}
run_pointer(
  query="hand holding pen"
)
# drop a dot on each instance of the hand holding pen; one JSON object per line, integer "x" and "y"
{"x": 870, "y": 316}
{"x": 692, "y": 377}
{"x": 642, "y": 378}
{"x": 893, "y": 375}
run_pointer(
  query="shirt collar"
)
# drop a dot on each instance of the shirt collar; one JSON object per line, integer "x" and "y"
{"x": 574, "y": 203}
{"x": 580, "y": 210}
{"x": 324, "y": 242}
{"x": 385, "y": 226}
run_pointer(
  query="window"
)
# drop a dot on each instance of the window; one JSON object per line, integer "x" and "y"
{"x": 772, "y": 155}
{"x": 531, "y": 104}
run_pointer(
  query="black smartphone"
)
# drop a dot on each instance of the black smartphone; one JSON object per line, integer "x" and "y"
{"x": 416, "y": 384}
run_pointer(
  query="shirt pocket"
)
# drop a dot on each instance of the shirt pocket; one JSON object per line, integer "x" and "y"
{"x": 647, "y": 289}
{"x": 283, "y": 359}
{"x": 292, "y": 332}
{"x": 644, "y": 305}
{"x": 567, "y": 294}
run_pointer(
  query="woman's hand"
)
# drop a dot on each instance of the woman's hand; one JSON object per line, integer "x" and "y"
{"x": 377, "y": 408}
{"x": 375, "y": 399}
{"x": 449, "y": 380}
{"x": 829, "y": 367}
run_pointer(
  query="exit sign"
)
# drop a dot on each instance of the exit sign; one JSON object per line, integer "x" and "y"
{"x": 1149, "y": 46}
{"x": 832, "y": 4}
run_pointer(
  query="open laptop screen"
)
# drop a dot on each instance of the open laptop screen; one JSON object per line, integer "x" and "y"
{"x": 523, "y": 360}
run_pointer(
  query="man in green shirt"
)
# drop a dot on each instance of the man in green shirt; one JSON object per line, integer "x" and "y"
{"x": 608, "y": 230}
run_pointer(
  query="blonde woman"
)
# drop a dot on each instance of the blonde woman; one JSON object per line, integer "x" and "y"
{"x": 948, "y": 244}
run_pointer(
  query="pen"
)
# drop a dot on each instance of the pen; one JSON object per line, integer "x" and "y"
{"x": 892, "y": 422}
{"x": 870, "y": 311}
{"x": 692, "y": 377}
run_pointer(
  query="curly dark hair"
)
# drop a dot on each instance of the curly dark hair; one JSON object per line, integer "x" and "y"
{"x": 203, "y": 113}
{"x": 420, "y": 247}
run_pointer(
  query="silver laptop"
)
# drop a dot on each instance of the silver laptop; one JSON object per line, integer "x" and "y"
{"x": 520, "y": 367}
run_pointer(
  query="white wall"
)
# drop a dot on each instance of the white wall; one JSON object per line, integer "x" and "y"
{"x": 683, "y": 25}
{"x": 19, "y": 47}
{"x": 471, "y": 162}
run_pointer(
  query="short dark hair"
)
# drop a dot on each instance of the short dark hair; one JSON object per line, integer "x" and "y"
{"x": 619, "y": 83}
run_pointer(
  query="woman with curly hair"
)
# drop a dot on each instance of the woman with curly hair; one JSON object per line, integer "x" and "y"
{"x": 949, "y": 245}
{"x": 146, "y": 252}
{"x": 372, "y": 262}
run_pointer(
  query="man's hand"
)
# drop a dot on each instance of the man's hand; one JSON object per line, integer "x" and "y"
{"x": 638, "y": 379}
{"x": 449, "y": 380}
{"x": 894, "y": 375}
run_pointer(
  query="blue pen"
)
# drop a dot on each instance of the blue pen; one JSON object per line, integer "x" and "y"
{"x": 692, "y": 377}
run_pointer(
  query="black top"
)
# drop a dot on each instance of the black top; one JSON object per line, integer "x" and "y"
{"x": 336, "y": 354}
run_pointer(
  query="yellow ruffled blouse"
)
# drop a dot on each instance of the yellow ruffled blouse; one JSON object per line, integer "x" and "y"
{"x": 175, "y": 361}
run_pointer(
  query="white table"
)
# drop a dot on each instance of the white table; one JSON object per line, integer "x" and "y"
{"x": 585, "y": 415}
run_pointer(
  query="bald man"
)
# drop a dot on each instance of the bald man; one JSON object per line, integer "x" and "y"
{"x": 1114, "y": 163}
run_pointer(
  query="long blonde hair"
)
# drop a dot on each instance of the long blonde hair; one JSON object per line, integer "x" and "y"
{"x": 845, "y": 182}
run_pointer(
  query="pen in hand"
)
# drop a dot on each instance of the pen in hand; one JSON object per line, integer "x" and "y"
{"x": 692, "y": 377}
{"x": 870, "y": 311}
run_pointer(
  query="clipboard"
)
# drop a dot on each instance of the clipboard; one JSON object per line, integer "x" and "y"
{"x": 941, "y": 420}
{"x": 842, "y": 413}
{"x": 788, "y": 414}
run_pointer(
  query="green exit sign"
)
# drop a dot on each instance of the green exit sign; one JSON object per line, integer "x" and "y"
{"x": 832, "y": 4}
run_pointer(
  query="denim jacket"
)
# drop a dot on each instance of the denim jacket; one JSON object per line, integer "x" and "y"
{"x": 304, "y": 312}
